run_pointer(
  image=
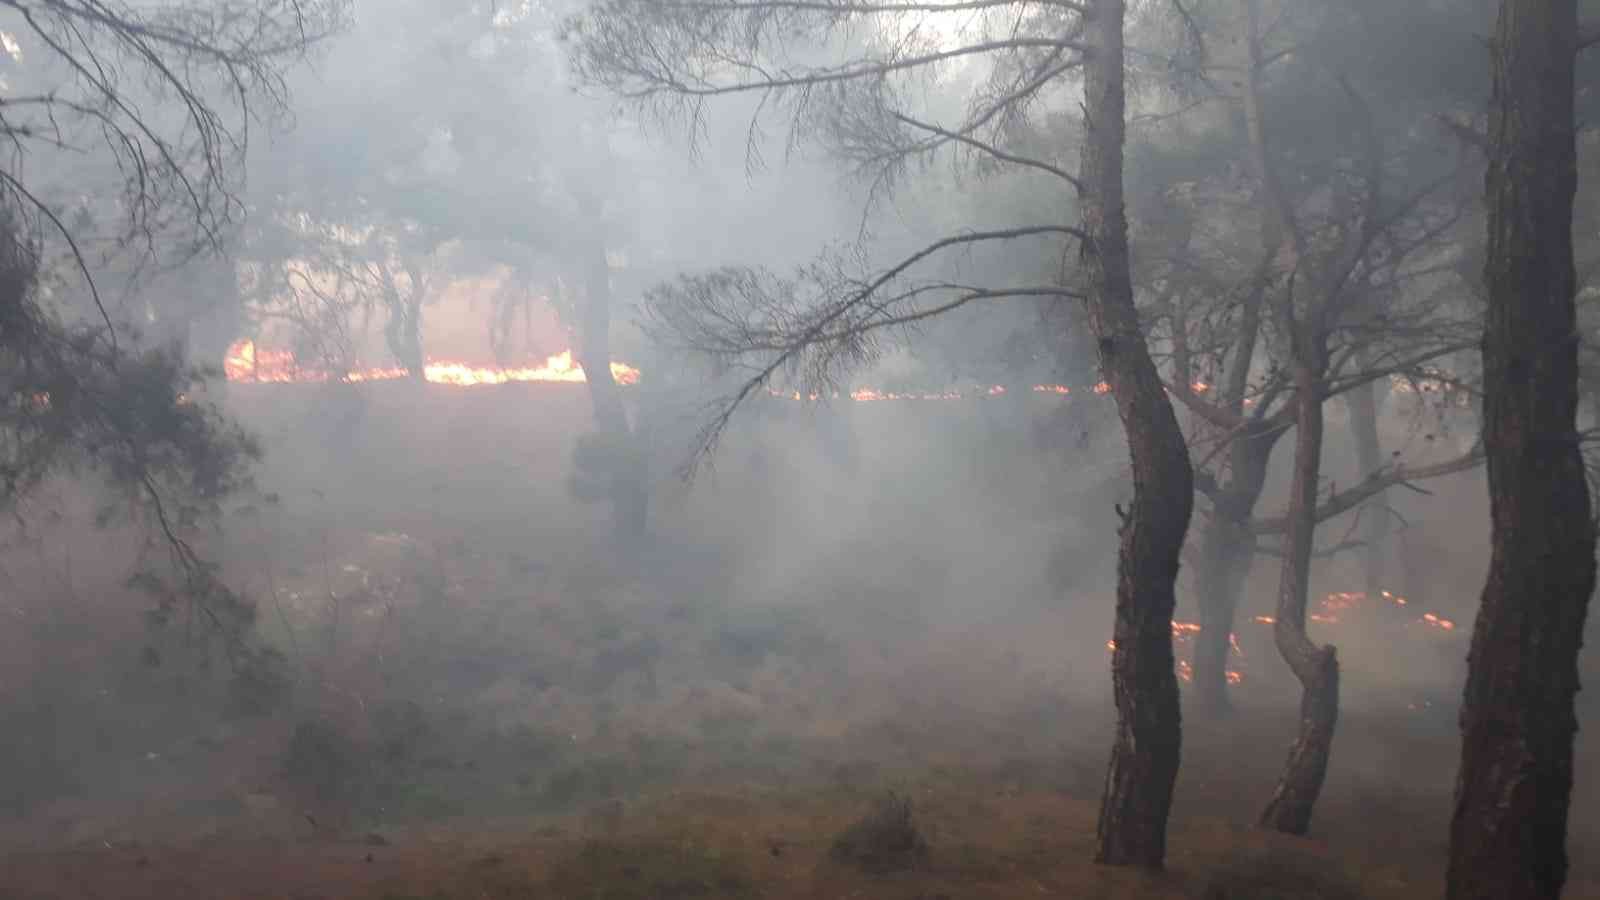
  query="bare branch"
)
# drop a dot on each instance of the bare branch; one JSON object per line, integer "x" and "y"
{"x": 1375, "y": 483}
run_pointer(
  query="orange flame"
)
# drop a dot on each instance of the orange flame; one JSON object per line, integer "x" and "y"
{"x": 245, "y": 362}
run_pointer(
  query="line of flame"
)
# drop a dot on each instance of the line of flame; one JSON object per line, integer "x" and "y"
{"x": 245, "y": 362}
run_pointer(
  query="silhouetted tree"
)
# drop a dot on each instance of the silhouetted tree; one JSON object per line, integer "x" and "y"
{"x": 835, "y": 313}
{"x": 1508, "y": 834}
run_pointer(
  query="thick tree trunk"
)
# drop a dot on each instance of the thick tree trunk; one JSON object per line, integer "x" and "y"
{"x": 1317, "y": 668}
{"x": 1508, "y": 834}
{"x": 630, "y": 500}
{"x": 1144, "y": 760}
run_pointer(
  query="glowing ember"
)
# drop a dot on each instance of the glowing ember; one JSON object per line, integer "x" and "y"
{"x": 1183, "y": 632}
{"x": 245, "y": 362}
{"x": 1339, "y": 602}
{"x": 1435, "y": 621}
{"x": 1059, "y": 389}
{"x": 1102, "y": 388}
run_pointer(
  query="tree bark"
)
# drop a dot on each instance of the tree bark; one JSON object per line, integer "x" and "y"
{"x": 1317, "y": 668}
{"x": 1508, "y": 833}
{"x": 629, "y": 498}
{"x": 1227, "y": 549}
{"x": 1144, "y": 760}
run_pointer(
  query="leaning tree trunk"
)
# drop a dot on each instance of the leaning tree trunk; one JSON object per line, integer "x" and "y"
{"x": 1144, "y": 760}
{"x": 630, "y": 501}
{"x": 1317, "y": 668}
{"x": 1508, "y": 834}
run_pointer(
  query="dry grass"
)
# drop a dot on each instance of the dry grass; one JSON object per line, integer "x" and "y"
{"x": 724, "y": 842}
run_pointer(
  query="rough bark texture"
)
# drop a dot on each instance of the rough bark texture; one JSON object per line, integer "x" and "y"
{"x": 1508, "y": 834}
{"x": 1317, "y": 668}
{"x": 629, "y": 498}
{"x": 1144, "y": 761}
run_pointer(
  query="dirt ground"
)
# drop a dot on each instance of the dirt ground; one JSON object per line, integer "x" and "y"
{"x": 601, "y": 735}
{"x": 997, "y": 827}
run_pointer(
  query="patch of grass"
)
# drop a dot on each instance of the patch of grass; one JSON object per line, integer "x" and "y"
{"x": 483, "y": 881}
{"x": 1280, "y": 874}
{"x": 594, "y": 779}
{"x": 637, "y": 870}
{"x": 885, "y": 840}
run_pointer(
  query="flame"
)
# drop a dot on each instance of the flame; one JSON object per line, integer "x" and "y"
{"x": 245, "y": 362}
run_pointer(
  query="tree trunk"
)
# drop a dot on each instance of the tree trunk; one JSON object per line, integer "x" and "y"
{"x": 630, "y": 500}
{"x": 1317, "y": 668}
{"x": 404, "y": 333}
{"x": 1219, "y": 582}
{"x": 1144, "y": 760}
{"x": 1508, "y": 834}
{"x": 1227, "y": 550}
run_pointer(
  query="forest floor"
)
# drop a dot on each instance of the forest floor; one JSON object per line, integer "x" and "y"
{"x": 565, "y": 731}
{"x": 996, "y": 828}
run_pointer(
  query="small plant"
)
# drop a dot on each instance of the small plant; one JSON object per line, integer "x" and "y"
{"x": 886, "y": 840}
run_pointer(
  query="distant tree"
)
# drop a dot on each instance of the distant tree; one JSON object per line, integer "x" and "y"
{"x": 851, "y": 85}
{"x": 380, "y": 202}
{"x": 1508, "y": 833}
{"x": 1382, "y": 270}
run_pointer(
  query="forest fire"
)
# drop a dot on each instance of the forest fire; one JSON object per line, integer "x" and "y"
{"x": 1332, "y": 609}
{"x": 1335, "y": 606}
{"x": 1182, "y": 634}
{"x": 246, "y": 363}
